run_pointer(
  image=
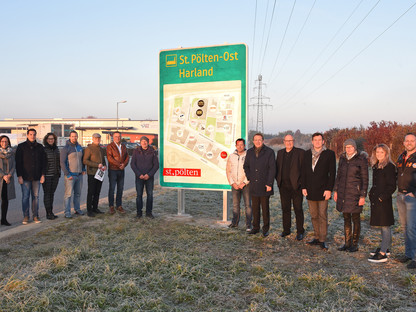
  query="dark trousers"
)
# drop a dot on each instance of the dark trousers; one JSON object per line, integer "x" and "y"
{"x": 352, "y": 235}
{"x": 287, "y": 196}
{"x": 4, "y": 201}
{"x": 140, "y": 185}
{"x": 115, "y": 177}
{"x": 49, "y": 188}
{"x": 256, "y": 202}
{"x": 93, "y": 195}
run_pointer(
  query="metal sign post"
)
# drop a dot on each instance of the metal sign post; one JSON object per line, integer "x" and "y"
{"x": 181, "y": 202}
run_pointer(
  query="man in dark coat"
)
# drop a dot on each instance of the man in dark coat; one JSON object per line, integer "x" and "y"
{"x": 318, "y": 177}
{"x": 260, "y": 169}
{"x": 288, "y": 176}
{"x": 406, "y": 200}
{"x": 350, "y": 191}
{"x": 30, "y": 170}
{"x": 144, "y": 163}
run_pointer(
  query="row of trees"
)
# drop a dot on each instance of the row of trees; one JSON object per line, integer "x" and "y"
{"x": 390, "y": 133}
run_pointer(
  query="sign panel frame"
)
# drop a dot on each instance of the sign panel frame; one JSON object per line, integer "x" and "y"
{"x": 203, "y": 78}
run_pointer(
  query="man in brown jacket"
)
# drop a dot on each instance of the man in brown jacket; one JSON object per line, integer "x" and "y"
{"x": 117, "y": 160}
{"x": 94, "y": 160}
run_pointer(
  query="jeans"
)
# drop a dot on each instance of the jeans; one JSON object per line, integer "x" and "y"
{"x": 319, "y": 217}
{"x": 406, "y": 205}
{"x": 287, "y": 196}
{"x": 236, "y": 205}
{"x": 385, "y": 238}
{"x": 140, "y": 184}
{"x": 75, "y": 186}
{"x": 115, "y": 177}
{"x": 30, "y": 188}
{"x": 93, "y": 194}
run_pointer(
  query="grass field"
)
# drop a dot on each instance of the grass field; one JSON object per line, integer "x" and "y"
{"x": 112, "y": 263}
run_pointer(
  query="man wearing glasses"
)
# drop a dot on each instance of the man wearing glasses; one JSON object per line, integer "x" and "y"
{"x": 288, "y": 176}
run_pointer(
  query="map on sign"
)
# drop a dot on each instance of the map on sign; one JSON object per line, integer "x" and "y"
{"x": 202, "y": 121}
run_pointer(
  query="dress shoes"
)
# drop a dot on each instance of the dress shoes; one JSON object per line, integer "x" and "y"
{"x": 284, "y": 234}
{"x": 253, "y": 232}
{"x": 344, "y": 248}
{"x": 97, "y": 211}
{"x": 299, "y": 237}
{"x": 323, "y": 245}
{"x": 232, "y": 225}
{"x": 412, "y": 265}
{"x": 265, "y": 234}
{"x": 403, "y": 259}
{"x": 91, "y": 214}
{"x": 150, "y": 216}
{"x": 313, "y": 242}
{"x": 112, "y": 210}
{"x": 121, "y": 210}
{"x": 353, "y": 249}
{"x": 4, "y": 222}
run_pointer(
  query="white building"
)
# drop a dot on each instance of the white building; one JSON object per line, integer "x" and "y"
{"x": 131, "y": 130}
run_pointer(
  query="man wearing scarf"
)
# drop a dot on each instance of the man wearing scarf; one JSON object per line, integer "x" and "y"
{"x": 318, "y": 178}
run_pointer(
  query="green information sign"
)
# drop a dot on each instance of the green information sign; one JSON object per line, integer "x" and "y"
{"x": 203, "y": 94}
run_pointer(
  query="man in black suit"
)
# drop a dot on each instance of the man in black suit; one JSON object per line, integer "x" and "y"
{"x": 318, "y": 178}
{"x": 260, "y": 169}
{"x": 288, "y": 176}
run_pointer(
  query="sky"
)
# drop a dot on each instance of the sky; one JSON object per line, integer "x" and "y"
{"x": 79, "y": 58}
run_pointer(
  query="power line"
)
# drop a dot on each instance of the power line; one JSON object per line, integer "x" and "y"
{"x": 268, "y": 35}
{"x": 361, "y": 51}
{"x": 254, "y": 40}
{"x": 264, "y": 30}
{"x": 323, "y": 50}
{"x": 283, "y": 38}
{"x": 296, "y": 41}
{"x": 336, "y": 50}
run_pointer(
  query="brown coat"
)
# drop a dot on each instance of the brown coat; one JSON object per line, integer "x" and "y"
{"x": 93, "y": 156}
{"x": 114, "y": 158}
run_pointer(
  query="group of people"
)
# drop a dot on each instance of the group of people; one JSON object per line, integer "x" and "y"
{"x": 36, "y": 164}
{"x": 251, "y": 174}
{"x": 313, "y": 174}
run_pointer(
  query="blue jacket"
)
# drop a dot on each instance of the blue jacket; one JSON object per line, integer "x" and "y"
{"x": 71, "y": 159}
{"x": 144, "y": 161}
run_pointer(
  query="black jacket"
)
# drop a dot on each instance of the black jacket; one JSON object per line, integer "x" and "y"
{"x": 144, "y": 161}
{"x": 30, "y": 161}
{"x": 295, "y": 167}
{"x": 322, "y": 178}
{"x": 260, "y": 171}
{"x": 406, "y": 174}
{"x": 53, "y": 165}
{"x": 384, "y": 185}
{"x": 351, "y": 182}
